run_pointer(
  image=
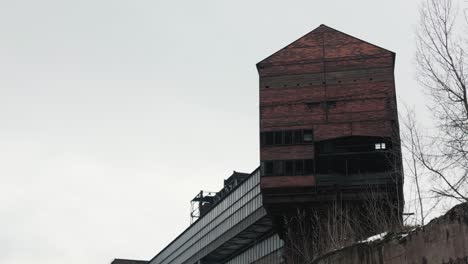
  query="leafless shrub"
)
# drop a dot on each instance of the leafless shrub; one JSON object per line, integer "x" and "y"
{"x": 311, "y": 233}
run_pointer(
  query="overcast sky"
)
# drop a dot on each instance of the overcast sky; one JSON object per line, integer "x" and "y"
{"x": 114, "y": 114}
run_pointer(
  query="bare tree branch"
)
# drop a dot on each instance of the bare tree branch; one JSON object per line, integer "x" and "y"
{"x": 441, "y": 58}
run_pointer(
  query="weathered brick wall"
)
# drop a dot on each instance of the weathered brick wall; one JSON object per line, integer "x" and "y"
{"x": 443, "y": 241}
{"x": 330, "y": 82}
{"x": 343, "y": 89}
{"x": 288, "y": 152}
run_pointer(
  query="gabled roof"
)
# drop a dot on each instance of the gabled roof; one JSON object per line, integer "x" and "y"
{"x": 324, "y": 43}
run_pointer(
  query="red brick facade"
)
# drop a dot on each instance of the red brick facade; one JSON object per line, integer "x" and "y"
{"x": 334, "y": 84}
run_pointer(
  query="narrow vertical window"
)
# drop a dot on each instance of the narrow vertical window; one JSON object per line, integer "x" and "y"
{"x": 268, "y": 168}
{"x": 278, "y": 168}
{"x": 308, "y": 136}
{"x": 289, "y": 167}
{"x": 298, "y": 167}
{"x": 308, "y": 166}
{"x": 288, "y": 137}
{"x": 278, "y": 138}
{"x": 298, "y": 137}
{"x": 269, "y": 138}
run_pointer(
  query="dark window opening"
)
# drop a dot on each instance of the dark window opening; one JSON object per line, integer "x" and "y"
{"x": 288, "y": 137}
{"x": 354, "y": 155}
{"x": 278, "y": 138}
{"x": 269, "y": 138}
{"x": 308, "y": 166}
{"x": 278, "y": 168}
{"x": 330, "y": 104}
{"x": 298, "y": 167}
{"x": 308, "y": 136}
{"x": 298, "y": 137}
{"x": 354, "y": 163}
{"x": 268, "y": 168}
{"x": 311, "y": 105}
{"x": 288, "y": 167}
{"x": 353, "y": 144}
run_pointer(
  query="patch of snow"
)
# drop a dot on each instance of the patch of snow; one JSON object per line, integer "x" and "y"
{"x": 403, "y": 235}
{"x": 374, "y": 238}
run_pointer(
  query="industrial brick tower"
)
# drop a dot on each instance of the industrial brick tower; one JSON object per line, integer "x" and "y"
{"x": 328, "y": 124}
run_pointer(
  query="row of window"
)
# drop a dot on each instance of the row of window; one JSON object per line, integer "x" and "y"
{"x": 286, "y": 137}
{"x": 287, "y": 167}
{"x": 341, "y": 164}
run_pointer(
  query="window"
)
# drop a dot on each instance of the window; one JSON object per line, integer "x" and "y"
{"x": 268, "y": 168}
{"x": 286, "y": 137}
{"x": 298, "y": 167}
{"x": 380, "y": 146}
{"x": 307, "y": 136}
{"x": 308, "y": 166}
{"x": 278, "y": 138}
{"x": 298, "y": 137}
{"x": 269, "y": 138}
{"x": 278, "y": 168}
{"x": 330, "y": 104}
{"x": 287, "y": 167}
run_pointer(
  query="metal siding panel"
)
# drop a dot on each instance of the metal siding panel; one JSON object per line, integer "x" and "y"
{"x": 242, "y": 202}
{"x": 258, "y": 251}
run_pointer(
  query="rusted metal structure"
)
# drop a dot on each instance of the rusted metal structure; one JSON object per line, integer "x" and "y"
{"x": 328, "y": 122}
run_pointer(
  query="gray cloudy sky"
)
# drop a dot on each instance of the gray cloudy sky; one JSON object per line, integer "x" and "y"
{"x": 114, "y": 114}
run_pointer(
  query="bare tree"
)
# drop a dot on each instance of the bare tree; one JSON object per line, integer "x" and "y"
{"x": 441, "y": 58}
{"x": 411, "y": 138}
